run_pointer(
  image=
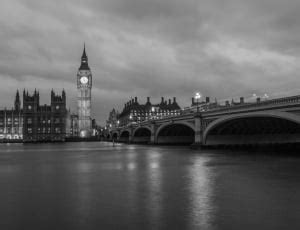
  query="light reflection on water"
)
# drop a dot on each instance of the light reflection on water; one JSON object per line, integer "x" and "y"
{"x": 98, "y": 186}
{"x": 200, "y": 189}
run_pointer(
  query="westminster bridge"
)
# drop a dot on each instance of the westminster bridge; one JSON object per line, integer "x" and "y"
{"x": 263, "y": 122}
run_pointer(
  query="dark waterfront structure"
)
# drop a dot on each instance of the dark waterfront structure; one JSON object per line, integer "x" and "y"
{"x": 44, "y": 123}
{"x": 133, "y": 112}
{"x": 268, "y": 122}
{"x": 11, "y": 122}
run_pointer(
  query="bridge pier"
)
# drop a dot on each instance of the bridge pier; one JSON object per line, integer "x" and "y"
{"x": 198, "y": 143}
{"x": 130, "y": 138}
{"x": 153, "y": 139}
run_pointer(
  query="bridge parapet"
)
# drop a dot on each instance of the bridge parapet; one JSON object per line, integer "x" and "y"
{"x": 268, "y": 103}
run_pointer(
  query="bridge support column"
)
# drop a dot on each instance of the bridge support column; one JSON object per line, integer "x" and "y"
{"x": 198, "y": 143}
{"x": 130, "y": 138}
{"x": 153, "y": 139}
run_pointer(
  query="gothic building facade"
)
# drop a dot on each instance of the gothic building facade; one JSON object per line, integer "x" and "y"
{"x": 112, "y": 121}
{"x": 134, "y": 112}
{"x": 11, "y": 122}
{"x": 43, "y": 123}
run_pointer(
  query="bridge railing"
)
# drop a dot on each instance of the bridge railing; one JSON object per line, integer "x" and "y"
{"x": 204, "y": 109}
{"x": 276, "y": 101}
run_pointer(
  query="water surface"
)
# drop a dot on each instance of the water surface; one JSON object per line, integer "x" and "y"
{"x": 98, "y": 186}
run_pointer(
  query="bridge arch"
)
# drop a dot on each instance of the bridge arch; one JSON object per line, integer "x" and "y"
{"x": 175, "y": 133}
{"x": 124, "y": 136}
{"x": 137, "y": 130}
{"x": 141, "y": 135}
{"x": 115, "y": 135}
{"x": 263, "y": 126}
{"x": 108, "y": 136}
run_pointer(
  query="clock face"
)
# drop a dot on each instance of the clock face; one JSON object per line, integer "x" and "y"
{"x": 84, "y": 80}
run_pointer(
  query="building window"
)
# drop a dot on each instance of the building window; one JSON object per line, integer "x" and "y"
{"x": 29, "y": 130}
{"x": 57, "y": 130}
{"x": 57, "y": 107}
{"x": 29, "y": 107}
{"x": 49, "y": 121}
{"x": 29, "y": 120}
{"x": 57, "y": 120}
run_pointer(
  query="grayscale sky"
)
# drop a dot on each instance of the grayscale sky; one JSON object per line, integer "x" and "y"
{"x": 223, "y": 48}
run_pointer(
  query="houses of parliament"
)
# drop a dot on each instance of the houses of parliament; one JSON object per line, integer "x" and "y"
{"x": 49, "y": 123}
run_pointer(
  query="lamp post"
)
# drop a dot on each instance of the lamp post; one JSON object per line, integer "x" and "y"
{"x": 198, "y": 124}
{"x": 266, "y": 96}
{"x": 130, "y": 119}
{"x": 197, "y": 97}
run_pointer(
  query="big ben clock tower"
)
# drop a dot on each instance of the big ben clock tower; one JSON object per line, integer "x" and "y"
{"x": 84, "y": 87}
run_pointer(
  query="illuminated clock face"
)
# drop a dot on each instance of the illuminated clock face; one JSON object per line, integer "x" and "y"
{"x": 84, "y": 80}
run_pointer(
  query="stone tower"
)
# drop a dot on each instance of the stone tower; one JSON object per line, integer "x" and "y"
{"x": 17, "y": 102}
{"x": 84, "y": 88}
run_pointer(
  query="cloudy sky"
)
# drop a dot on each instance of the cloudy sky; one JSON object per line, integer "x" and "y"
{"x": 222, "y": 48}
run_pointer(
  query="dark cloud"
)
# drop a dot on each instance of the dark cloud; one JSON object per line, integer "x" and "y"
{"x": 151, "y": 48}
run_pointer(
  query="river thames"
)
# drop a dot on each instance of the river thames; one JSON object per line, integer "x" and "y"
{"x": 98, "y": 186}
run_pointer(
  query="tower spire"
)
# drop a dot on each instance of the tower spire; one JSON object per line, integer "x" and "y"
{"x": 84, "y": 60}
{"x": 84, "y": 53}
{"x": 17, "y": 101}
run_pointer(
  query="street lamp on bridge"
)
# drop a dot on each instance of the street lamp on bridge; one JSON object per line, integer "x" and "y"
{"x": 197, "y": 97}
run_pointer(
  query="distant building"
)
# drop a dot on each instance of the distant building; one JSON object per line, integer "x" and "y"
{"x": 11, "y": 121}
{"x": 134, "y": 112}
{"x": 112, "y": 121}
{"x": 46, "y": 122}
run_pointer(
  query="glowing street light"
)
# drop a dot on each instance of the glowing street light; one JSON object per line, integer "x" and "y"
{"x": 266, "y": 96}
{"x": 197, "y": 97}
